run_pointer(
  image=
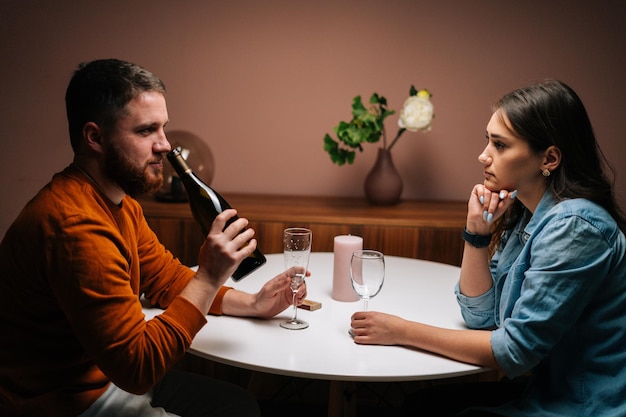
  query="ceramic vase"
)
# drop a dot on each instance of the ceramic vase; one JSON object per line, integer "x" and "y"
{"x": 383, "y": 184}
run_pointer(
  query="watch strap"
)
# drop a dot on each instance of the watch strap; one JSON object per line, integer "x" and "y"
{"x": 477, "y": 241}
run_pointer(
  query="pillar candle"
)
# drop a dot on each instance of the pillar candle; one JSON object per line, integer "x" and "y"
{"x": 344, "y": 246}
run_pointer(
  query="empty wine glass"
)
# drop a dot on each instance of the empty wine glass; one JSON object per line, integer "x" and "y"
{"x": 296, "y": 249}
{"x": 367, "y": 273}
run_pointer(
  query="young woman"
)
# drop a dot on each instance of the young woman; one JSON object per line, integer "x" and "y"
{"x": 543, "y": 278}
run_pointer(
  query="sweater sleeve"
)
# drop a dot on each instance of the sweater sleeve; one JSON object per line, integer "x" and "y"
{"x": 216, "y": 307}
{"x": 98, "y": 271}
{"x": 160, "y": 288}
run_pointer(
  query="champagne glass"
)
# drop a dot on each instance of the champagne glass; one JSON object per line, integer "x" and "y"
{"x": 296, "y": 248}
{"x": 367, "y": 273}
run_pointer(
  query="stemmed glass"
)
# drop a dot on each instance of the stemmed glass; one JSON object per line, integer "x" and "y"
{"x": 296, "y": 248}
{"x": 367, "y": 273}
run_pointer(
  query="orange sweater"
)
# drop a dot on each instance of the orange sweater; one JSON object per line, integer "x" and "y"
{"x": 72, "y": 269}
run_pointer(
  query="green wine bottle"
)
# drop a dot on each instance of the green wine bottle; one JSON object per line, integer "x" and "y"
{"x": 206, "y": 204}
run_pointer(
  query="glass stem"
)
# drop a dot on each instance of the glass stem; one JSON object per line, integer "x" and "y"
{"x": 295, "y": 307}
{"x": 365, "y": 304}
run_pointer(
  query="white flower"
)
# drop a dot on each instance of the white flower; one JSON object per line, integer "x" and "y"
{"x": 417, "y": 112}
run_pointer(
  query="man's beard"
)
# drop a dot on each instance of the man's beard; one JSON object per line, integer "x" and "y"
{"x": 131, "y": 178}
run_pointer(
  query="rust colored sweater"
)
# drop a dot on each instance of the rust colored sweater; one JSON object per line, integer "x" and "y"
{"x": 72, "y": 269}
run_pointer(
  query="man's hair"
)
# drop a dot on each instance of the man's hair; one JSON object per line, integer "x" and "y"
{"x": 99, "y": 92}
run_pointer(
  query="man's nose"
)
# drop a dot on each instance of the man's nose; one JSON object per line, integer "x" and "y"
{"x": 162, "y": 144}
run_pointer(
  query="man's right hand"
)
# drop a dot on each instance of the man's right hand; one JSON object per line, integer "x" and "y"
{"x": 222, "y": 251}
{"x": 220, "y": 254}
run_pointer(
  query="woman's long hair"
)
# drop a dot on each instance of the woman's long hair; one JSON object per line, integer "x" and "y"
{"x": 551, "y": 113}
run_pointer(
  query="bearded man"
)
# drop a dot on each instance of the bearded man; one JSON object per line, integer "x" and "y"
{"x": 80, "y": 255}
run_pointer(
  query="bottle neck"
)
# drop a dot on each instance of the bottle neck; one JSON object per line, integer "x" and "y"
{"x": 178, "y": 162}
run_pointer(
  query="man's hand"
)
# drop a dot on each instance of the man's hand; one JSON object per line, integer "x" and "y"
{"x": 220, "y": 254}
{"x": 274, "y": 297}
{"x": 222, "y": 251}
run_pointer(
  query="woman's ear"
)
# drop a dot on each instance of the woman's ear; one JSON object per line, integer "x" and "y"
{"x": 552, "y": 158}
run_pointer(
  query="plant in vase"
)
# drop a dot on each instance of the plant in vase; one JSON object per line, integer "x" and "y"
{"x": 383, "y": 184}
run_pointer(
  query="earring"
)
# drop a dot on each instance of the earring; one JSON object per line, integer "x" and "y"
{"x": 546, "y": 172}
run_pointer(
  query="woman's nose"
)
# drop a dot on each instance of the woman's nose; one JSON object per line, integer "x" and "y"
{"x": 483, "y": 158}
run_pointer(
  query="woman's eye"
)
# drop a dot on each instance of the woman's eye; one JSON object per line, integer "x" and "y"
{"x": 496, "y": 143}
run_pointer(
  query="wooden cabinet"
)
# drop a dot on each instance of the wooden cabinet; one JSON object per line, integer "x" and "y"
{"x": 429, "y": 230}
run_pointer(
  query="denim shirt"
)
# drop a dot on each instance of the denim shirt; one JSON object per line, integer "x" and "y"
{"x": 558, "y": 306}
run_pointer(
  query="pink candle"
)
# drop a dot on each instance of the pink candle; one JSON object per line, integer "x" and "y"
{"x": 344, "y": 246}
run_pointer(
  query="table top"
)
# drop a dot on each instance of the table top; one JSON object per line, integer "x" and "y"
{"x": 413, "y": 289}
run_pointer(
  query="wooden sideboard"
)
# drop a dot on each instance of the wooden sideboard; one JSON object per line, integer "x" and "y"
{"x": 429, "y": 230}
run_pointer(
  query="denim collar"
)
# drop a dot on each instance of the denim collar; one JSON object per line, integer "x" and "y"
{"x": 548, "y": 201}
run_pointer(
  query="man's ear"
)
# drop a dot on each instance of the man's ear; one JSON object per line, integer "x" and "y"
{"x": 552, "y": 158}
{"x": 92, "y": 134}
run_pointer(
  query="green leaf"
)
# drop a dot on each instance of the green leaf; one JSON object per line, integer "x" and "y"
{"x": 350, "y": 157}
{"x": 376, "y": 99}
{"x": 412, "y": 91}
{"x": 330, "y": 144}
{"x": 366, "y": 126}
{"x": 387, "y": 113}
{"x": 337, "y": 155}
{"x": 358, "y": 109}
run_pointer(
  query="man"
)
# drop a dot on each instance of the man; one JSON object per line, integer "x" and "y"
{"x": 78, "y": 257}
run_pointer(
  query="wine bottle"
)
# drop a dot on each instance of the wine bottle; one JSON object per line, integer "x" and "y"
{"x": 206, "y": 204}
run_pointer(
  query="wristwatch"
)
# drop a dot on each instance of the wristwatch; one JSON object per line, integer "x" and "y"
{"x": 477, "y": 241}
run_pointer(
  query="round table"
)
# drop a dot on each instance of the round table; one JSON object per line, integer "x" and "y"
{"x": 413, "y": 289}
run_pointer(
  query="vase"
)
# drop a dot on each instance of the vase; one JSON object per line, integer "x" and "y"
{"x": 383, "y": 184}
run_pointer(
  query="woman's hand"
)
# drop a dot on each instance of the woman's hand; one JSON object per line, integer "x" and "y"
{"x": 375, "y": 328}
{"x": 486, "y": 206}
{"x": 471, "y": 346}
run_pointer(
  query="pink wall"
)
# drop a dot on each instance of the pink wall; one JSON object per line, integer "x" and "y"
{"x": 262, "y": 82}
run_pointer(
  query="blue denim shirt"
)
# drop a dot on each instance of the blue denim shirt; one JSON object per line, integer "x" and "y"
{"x": 558, "y": 304}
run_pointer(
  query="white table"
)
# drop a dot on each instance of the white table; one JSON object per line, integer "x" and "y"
{"x": 414, "y": 289}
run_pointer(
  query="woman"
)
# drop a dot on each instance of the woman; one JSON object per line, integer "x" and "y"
{"x": 543, "y": 277}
